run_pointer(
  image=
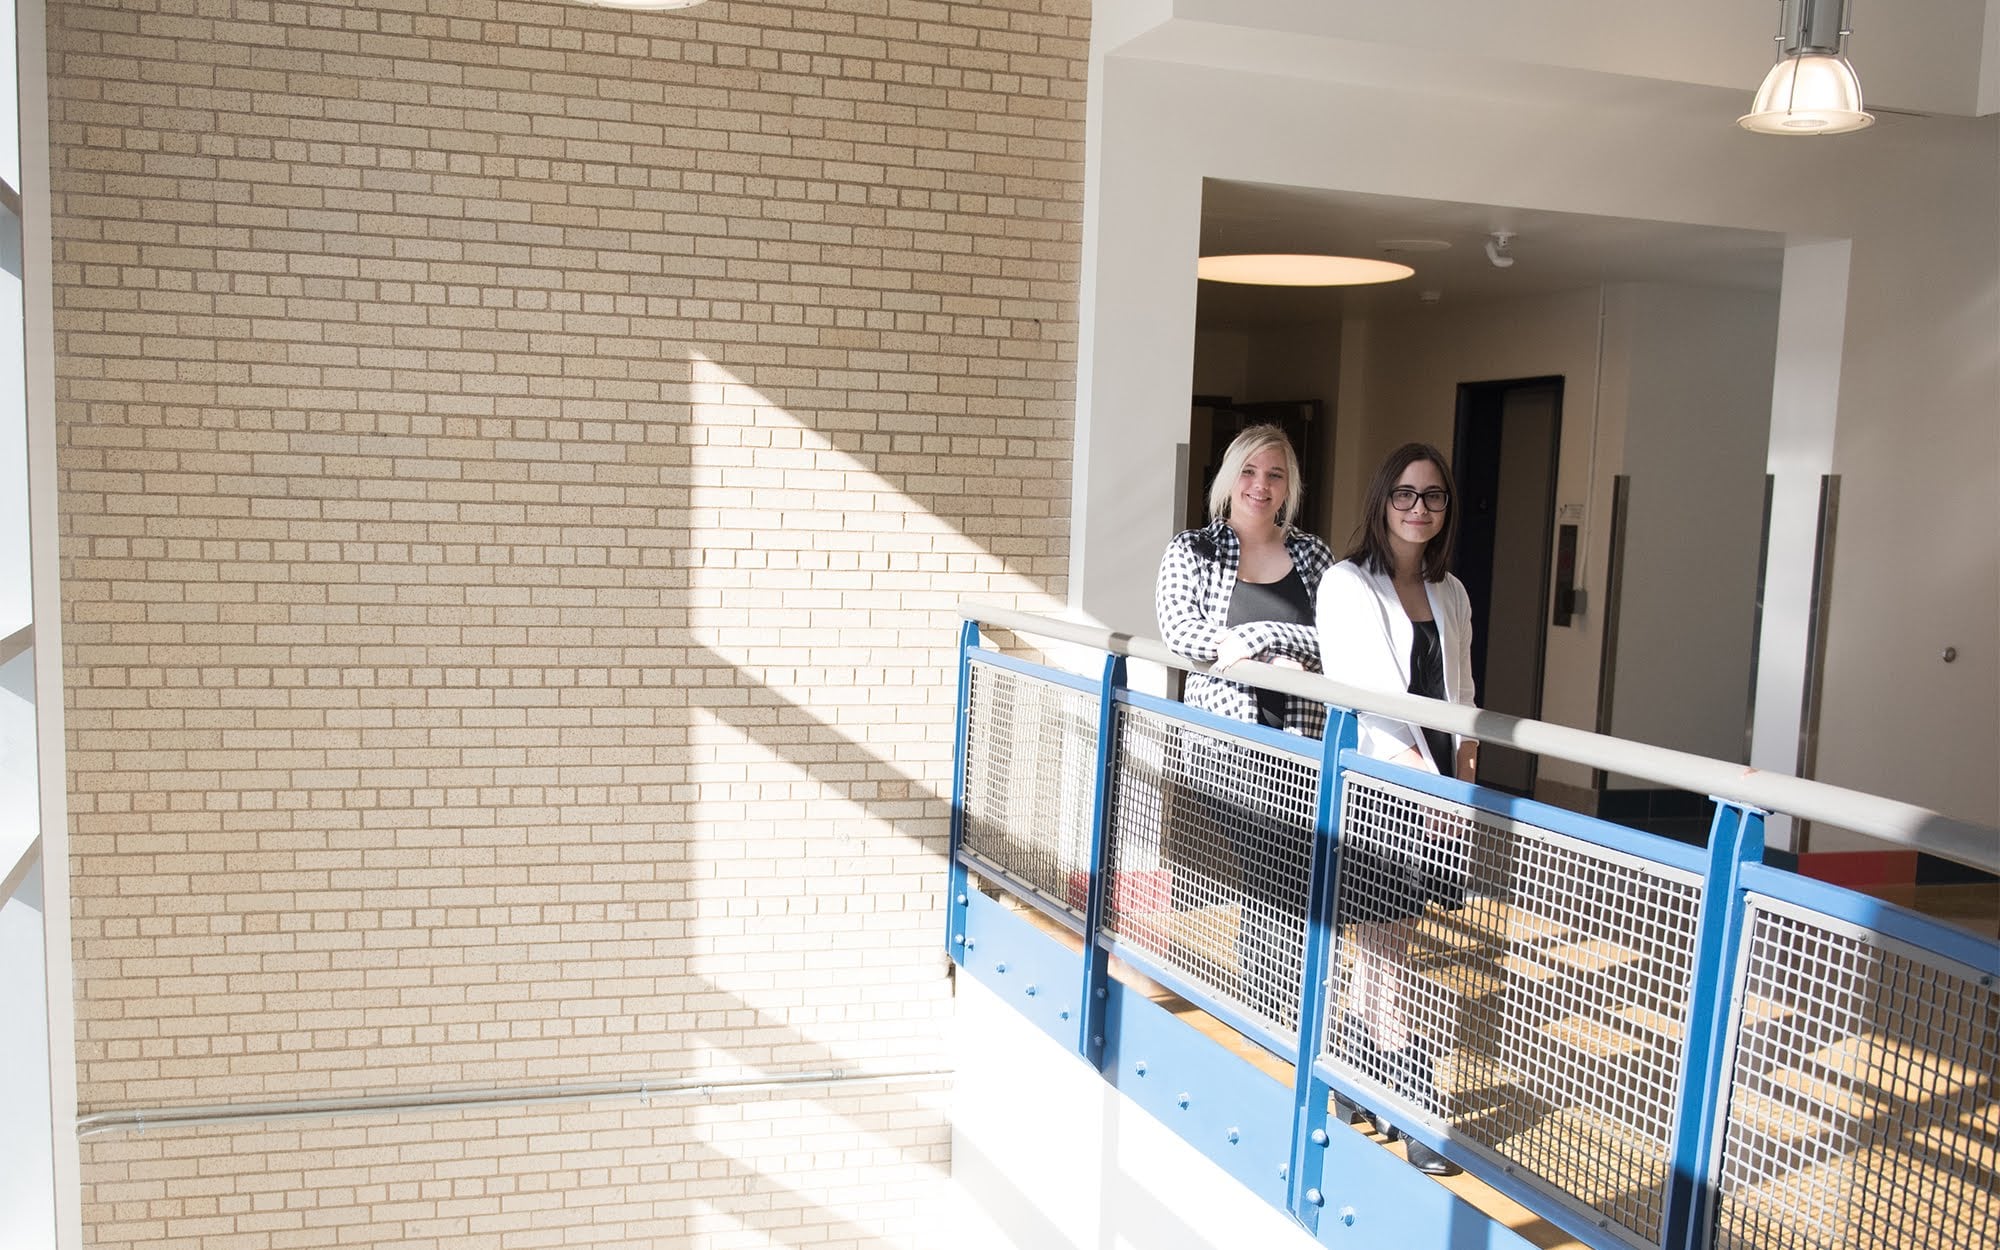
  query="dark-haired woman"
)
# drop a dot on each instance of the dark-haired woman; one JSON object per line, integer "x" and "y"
{"x": 1392, "y": 618}
{"x": 1243, "y": 588}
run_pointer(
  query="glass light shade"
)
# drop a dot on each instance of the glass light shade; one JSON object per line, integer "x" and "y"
{"x": 1813, "y": 93}
{"x": 1281, "y": 269}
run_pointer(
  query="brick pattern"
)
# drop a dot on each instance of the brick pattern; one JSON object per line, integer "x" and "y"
{"x": 734, "y": 1173}
{"x": 518, "y": 466}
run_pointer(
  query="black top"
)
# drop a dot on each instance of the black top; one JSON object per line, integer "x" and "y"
{"x": 1427, "y": 679}
{"x": 1284, "y": 601}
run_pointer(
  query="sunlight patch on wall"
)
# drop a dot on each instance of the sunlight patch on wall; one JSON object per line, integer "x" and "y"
{"x": 834, "y": 595}
{"x": 849, "y": 562}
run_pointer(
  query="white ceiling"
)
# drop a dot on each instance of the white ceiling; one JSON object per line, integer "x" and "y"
{"x": 1937, "y": 57}
{"x": 1553, "y": 251}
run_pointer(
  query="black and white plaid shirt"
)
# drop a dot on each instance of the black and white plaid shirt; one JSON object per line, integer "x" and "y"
{"x": 1197, "y": 580}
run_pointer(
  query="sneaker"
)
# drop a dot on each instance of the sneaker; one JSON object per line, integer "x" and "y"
{"x": 1429, "y": 1161}
{"x": 1345, "y": 1112}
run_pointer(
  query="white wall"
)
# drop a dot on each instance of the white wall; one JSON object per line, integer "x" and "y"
{"x": 1303, "y": 362}
{"x": 1697, "y": 422}
{"x": 1917, "y": 55}
{"x": 1917, "y": 449}
{"x": 1261, "y": 364}
{"x": 1222, "y": 363}
{"x": 1918, "y": 381}
{"x": 1295, "y": 362}
{"x": 1048, "y": 1156}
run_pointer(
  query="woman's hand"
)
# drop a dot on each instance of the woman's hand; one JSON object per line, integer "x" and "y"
{"x": 1232, "y": 649}
{"x": 1411, "y": 757}
{"x": 1468, "y": 761}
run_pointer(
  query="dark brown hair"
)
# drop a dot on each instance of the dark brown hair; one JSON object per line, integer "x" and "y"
{"x": 1371, "y": 549}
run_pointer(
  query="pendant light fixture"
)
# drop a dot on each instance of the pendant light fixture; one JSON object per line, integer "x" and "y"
{"x": 1812, "y": 89}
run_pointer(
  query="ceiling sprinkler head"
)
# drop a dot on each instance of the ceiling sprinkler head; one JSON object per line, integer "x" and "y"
{"x": 1429, "y": 297}
{"x": 1496, "y": 248}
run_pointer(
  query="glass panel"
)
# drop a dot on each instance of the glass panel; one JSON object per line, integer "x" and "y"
{"x": 27, "y": 1170}
{"x": 15, "y": 612}
{"x": 10, "y": 107}
{"x": 20, "y": 802}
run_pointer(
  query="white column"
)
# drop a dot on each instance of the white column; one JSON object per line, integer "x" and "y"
{"x": 38, "y": 320}
{"x": 1805, "y": 394}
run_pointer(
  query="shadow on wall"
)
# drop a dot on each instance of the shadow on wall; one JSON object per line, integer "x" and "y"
{"x": 518, "y": 478}
{"x": 603, "y": 776}
{"x": 608, "y": 646}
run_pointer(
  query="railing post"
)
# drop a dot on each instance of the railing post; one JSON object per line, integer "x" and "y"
{"x": 956, "y": 885}
{"x": 1096, "y": 963}
{"x": 1736, "y": 838}
{"x": 1305, "y": 1187}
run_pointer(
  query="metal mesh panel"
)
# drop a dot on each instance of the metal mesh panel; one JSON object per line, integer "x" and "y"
{"x": 1211, "y": 840}
{"x": 1544, "y": 986}
{"x": 1864, "y": 1104}
{"x": 1030, "y": 756}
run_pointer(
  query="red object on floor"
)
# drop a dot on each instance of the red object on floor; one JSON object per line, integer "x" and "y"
{"x": 1139, "y": 904}
{"x": 1856, "y": 869}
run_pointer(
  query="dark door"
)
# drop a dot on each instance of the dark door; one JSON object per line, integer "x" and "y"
{"x": 1504, "y": 461}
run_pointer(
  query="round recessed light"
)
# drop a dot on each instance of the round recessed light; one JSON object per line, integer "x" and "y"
{"x": 1278, "y": 269}
{"x": 1413, "y": 245}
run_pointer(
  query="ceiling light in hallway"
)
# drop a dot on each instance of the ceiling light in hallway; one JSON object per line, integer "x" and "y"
{"x": 1812, "y": 90}
{"x": 1280, "y": 269}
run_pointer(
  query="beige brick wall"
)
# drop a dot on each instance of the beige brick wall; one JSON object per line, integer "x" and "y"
{"x": 519, "y": 462}
{"x": 738, "y": 1173}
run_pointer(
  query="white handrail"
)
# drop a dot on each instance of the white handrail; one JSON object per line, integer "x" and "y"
{"x": 1902, "y": 823}
{"x": 138, "y": 1120}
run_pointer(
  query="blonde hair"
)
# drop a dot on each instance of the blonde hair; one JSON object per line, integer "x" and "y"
{"x": 1246, "y": 445}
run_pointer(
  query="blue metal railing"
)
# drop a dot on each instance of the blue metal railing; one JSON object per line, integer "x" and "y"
{"x": 1629, "y": 1071}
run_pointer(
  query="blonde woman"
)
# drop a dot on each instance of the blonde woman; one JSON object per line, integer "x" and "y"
{"x": 1244, "y": 588}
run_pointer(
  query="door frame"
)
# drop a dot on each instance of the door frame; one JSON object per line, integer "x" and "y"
{"x": 1479, "y": 402}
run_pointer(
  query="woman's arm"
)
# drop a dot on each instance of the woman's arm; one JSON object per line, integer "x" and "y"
{"x": 1468, "y": 760}
{"x": 1177, "y": 601}
{"x": 1461, "y": 690}
{"x": 1459, "y": 604}
{"x": 1269, "y": 640}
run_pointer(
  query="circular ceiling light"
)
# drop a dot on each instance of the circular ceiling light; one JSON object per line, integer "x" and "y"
{"x": 1275, "y": 269}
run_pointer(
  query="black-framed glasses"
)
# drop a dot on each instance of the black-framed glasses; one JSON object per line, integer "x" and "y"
{"x": 1404, "y": 498}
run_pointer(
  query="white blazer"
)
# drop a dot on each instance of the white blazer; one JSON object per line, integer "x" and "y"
{"x": 1364, "y": 640}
